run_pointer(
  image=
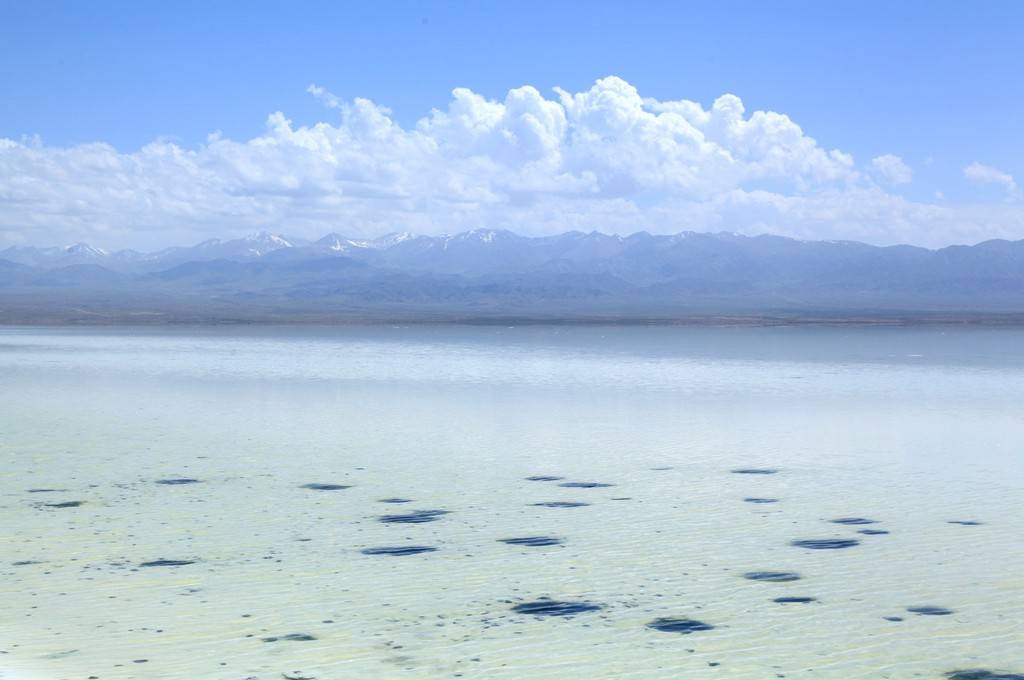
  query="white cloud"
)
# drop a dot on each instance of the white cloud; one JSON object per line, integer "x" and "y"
{"x": 605, "y": 159}
{"x": 986, "y": 174}
{"x": 324, "y": 97}
{"x": 893, "y": 169}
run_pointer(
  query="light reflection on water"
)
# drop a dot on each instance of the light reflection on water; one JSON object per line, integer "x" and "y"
{"x": 909, "y": 427}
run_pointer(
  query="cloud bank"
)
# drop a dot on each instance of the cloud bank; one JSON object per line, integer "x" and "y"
{"x": 605, "y": 159}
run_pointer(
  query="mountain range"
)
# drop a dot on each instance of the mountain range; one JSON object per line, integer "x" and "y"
{"x": 498, "y": 275}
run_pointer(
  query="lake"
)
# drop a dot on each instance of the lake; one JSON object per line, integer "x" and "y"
{"x": 356, "y": 502}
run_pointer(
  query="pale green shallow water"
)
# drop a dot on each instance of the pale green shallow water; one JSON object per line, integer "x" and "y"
{"x": 912, "y": 428}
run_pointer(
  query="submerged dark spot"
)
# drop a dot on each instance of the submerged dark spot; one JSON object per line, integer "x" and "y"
{"x": 560, "y": 504}
{"x": 25, "y": 563}
{"x": 852, "y": 520}
{"x": 45, "y": 490}
{"x": 394, "y": 500}
{"x": 399, "y": 550}
{"x": 980, "y": 674}
{"x": 873, "y": 532}
{"x": 555, "y": 608}
{"x": 65, "y": 504}
{"x": 291, "y": 637}
{"x": 417, "y": 517}
{"x": 543, "y": 478}
{"x": 966, "y": 523}
{"x": 761, "y": 500}
{"x": 167, "y": 563}
{"x": 930, "y": 611}
{"x": 326, "y": 487}
{"x": 679, "y": 625}
{"x": 754, "y": 471}
{"x": 772, "y": 576}
{"x": 532, "y": 541}
{"x": 177, "y": 480}
{"x": 794, "y": 600}
{"x": 893, "y": 618}
{"x": 825, "y": 543}
{"x": 585, "y": 485}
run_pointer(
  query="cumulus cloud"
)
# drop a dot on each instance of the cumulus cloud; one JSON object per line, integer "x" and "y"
{"x": 986, "y": 174}
{"x": 892, "y": 169}
{"x": 602, "y": 159}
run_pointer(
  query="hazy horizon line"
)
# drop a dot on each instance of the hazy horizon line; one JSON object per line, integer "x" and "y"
{"x": 298, "y": 241}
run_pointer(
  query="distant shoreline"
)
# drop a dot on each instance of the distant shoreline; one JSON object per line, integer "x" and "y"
{"x": 157, "y": 319}
{"x": 494, "y": 277}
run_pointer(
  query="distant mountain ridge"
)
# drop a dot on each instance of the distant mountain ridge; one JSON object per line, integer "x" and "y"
{"x": 496, "y": 272}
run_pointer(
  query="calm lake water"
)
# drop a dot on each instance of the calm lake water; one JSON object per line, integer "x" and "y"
{"x": 912, "y": 429}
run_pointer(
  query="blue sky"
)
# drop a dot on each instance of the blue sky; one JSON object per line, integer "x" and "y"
{"x": 937, "y": 85}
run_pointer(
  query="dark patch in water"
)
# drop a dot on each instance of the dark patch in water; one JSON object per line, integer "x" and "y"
{"x": 532, "y": 541}
{"x": 65, "y": 504}
{"x": 873, "y": 532}
{"x": 44, "y": 490}
{"x": 543, "y": 478}
{"x": 667, "y": 467}
{"x": 794, "y": 600}
{"x": 679, "y": 625}
{"x": 825, "y": 543}
{"x": 25, "y": 563}
{"x": 893, "y": 618}
{"x": 394, "y": 500}
{"x": 772, "y": 576}
{"x": 930, "y": 611}
{"x": 291, "y": 637}
{"x": 546, "y": 607}
{"x": 399, "y": 551}
{"x": 966, "y": 523}
{"x": 326, "y": 487}
{"x": 560, "y": 504}
{"x": 754, "y": 471}
{"x": 177, "y": 481}
{"x": 980, "y": 674}
{"x": 585, "y": 485}
{"x": 761, "y": 500}
{"x": 167, "y": 563}
{"x": 852, "y": 520}
{"x": 417, "y": 517}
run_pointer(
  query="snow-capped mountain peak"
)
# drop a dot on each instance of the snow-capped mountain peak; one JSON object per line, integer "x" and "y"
{"x": 84, "y": 249}
{"x": 392, "y": 239}
{"x": 267, "y": 237}
{"x": 264, "y": 242}
{"x": 339, "y": 244}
